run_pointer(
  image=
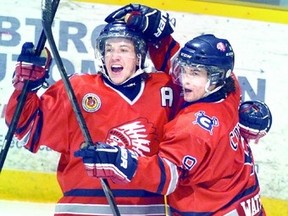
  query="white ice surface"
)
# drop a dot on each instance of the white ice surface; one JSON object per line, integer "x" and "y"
{"x": 261, "y": 54}
{"x": 16, "y": 208}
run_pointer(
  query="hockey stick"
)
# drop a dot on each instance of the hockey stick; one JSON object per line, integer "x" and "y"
{"x": 46, "y": 22}
{"x": 23, "y": 95}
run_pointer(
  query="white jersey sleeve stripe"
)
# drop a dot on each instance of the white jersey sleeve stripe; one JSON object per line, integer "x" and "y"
{"x": 174, "y": 176}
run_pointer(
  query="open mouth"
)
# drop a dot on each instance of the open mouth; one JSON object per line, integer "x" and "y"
{"x": 185, "y": 90}
{"x": 116, "y": 68}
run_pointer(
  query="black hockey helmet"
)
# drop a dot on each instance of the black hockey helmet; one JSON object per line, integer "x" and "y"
{"x": 214, "y": 54}
{"x": 119, "y": 29}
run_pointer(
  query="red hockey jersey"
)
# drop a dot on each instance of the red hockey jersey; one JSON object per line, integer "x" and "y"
{"x": 215, "y": 174}
{"x": 110, "y": 117}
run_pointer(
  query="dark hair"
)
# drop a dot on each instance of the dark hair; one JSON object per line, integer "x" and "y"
{"x": 229, "y": 85}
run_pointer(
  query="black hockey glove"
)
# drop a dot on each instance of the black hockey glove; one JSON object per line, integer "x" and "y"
{"x": 104, "y": 161}
{"x": 255, "y": 120}
{"x": 154, "y": 23}
{"x": 31, "y": 67}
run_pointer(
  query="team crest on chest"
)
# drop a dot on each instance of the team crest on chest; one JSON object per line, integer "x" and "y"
{"x": 136, "y": 135}
{"x": 206, "y": 122}
{"x": 91, "y": 102}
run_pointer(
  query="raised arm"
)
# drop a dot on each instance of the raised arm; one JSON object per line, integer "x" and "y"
{"x": 156, "y": 26}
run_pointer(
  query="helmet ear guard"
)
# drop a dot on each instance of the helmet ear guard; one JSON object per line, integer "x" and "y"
{"x": 255, "y": 120}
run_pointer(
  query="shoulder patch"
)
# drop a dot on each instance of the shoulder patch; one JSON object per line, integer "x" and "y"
{"x": 206, "y": 122}
{"x": 91, "y": 102}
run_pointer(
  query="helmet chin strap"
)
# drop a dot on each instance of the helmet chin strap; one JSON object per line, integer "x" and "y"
{"x": 208, "y": 92}
{"x": 139, "y": 61}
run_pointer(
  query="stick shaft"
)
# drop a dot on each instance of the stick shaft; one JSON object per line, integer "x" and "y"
{"x": 23, "y": 95}
{"x": 46, "y": 22}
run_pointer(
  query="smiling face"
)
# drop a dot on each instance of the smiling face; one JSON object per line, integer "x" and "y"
{"x": 120, "y": 59}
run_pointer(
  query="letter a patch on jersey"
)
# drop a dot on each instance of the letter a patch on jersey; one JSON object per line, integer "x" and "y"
{"x": 206, "y": 122}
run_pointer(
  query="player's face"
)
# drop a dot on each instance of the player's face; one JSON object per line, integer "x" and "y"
{"x": 194, "y": 81}
{"x": 120, "y": 59}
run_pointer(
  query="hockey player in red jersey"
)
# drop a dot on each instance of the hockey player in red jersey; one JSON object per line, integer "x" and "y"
{"x": 122, "y": 105}
{"x": 203, "y": 165}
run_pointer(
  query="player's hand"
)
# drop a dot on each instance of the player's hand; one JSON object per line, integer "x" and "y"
{"x": 104, "y": 161}
{"x": 31, "y": 67}
{"x": 154, "y": 23}
{"x": 255, "y": 120}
